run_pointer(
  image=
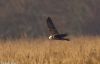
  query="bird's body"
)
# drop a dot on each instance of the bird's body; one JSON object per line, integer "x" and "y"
{"x": 53, "y": 33}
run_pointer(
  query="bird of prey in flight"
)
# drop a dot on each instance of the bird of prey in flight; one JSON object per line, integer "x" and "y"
{"x": 53, "y": 33}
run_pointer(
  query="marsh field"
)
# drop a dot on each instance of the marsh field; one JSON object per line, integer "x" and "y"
{"x": 80, "y": 50}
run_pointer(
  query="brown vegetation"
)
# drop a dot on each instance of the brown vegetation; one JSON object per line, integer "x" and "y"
{"x": 80, "y": 50}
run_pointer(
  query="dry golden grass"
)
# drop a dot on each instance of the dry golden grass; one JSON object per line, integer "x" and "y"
{"x": 80, "y": 50}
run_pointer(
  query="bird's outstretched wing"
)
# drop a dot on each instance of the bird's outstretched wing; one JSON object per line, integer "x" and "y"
{"x": 51, "y": 27}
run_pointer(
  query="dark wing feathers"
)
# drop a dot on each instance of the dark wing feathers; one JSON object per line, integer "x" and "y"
{"x": 51, "y": 27}
{"x": 60, "y": 35}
